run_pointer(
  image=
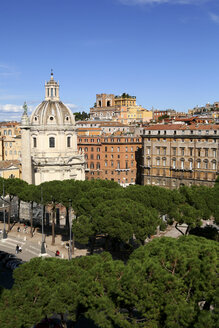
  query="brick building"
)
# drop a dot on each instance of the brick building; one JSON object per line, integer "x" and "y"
{"x": 179, "y": 154}
{"x": 110, "y": 156}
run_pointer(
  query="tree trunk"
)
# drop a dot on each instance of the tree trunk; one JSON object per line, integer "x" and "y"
{"x": 92, "y": 244}
{"x": 188, "y": 230}
{"x": 31, "y": 219}
{"x": 64, "y": 325}
{"x": 18, "y": 209}
{"x": 9, "y": 216}
{"x": 53, "y": 225}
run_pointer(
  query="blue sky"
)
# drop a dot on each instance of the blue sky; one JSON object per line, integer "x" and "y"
{"x": 165, "y": 52}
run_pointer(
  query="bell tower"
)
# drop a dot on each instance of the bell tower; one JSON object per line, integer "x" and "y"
{"x": 52, "y": 89}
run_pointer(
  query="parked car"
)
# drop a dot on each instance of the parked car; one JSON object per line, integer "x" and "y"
{"x": 8, "y": 257}
{"x": 13, "y": 264}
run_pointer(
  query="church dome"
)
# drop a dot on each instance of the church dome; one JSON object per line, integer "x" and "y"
{"x": 52, "y": 111}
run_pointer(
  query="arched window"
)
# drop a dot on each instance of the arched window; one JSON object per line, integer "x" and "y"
{"x": 9, "y": 132}
{"x": 92, "y": 165}
{"x": 99, "y": 103}
{"x": 108, "y": 103}
{"x": 68, "y": 142}
{"x": 51, "y": 142}
{"x": 98, "y": 156}
{"x": 206, "y": 164}
{"x": 214, "y": 165}
{"x": 98, "y": 166}
{"x": 190, "y": 164}
{"x": 34, "y": 142}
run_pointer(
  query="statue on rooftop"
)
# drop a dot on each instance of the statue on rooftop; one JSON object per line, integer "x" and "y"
{"x": 25, "y": 107}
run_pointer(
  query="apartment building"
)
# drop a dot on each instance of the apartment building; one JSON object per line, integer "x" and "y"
{"x": 122, "y": 109}
{"x": 10, "y": 141}
{"x": 110, "y": 156}
{"x": 177, "y": 154}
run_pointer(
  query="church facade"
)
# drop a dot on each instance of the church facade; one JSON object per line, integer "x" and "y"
{"x": 49, "y": 141}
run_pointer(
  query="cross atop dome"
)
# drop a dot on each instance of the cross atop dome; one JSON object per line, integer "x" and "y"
{"x": 52, "y": 89}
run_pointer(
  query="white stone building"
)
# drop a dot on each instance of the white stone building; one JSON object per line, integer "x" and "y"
{"x": 49, "y": 141}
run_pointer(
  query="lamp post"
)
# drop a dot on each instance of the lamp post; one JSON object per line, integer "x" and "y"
{"x": 3, "y": 205}
{"x": 43, "y": 249}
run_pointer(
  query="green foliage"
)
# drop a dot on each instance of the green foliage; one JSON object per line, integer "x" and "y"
{"x": 81, "y": 116}
{"x": 168, "y": 283}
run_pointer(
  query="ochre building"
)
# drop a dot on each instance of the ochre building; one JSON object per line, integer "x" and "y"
{"x": 178, "y": 154}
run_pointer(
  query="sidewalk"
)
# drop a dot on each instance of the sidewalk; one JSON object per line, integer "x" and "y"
{"x": 31, "y": 247}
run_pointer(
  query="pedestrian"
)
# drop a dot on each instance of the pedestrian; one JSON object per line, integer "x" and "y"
{"x": 20, "y": 249}
{"x": 17, "y": 249}
{"x": 18, "y": 229}
{"x": 57, "y": 253}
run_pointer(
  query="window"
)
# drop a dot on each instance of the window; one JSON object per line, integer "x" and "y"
{"x": 51, "y": 142}
{"x": 92, "y": 165}
{"x": 190, "y": 151}
{"x": 68, "y": 142}
{"x": 214, "y": 165}
{"x": 9, "y": 132}
{"x": 111, "y": 156}
{"x": 98, "y": 166}
{"x": 85, "y": 149}
{"x": 158, "y": 161}
{"x": 198, "y": 164}
{"x": 199, "y": 151}
{"x": 190, "y": 165}
{"x": 158, "y": 150}
{"x": 182, "y": 151}
{"x": 86, "y": 156}
{"x": 206, "y": 152}
{"x": 126, "y": 165}
{"x": 174, "y": 163}
{"x": 10, "y": 144}
{"x": 10, "y": 152}
{"x": 206, "y": 165}
{"x": 126, "y": 149}
{"x": 164, "y": 150}
{"x": 118, "y": 165}
{"x": 164, "y": 161}
{"x": 105, "y": 148}
{"x": 118, "y": 156}
{"x": 214, "y": 152}
{"x": 5, "y": 132}
{"x": 182, "y": 164}
{"x": 111, "y": 163}
{"x": 98, "y": 156}
{"x": 34, "y": 142}
{"x": 92, "y": 149}
{"x": 174, "y": 151}
{"x": 132, "y": 163}
{"x": 91, "y": 156}
{"x": 118, "y": 149}
{"x": 98, "y": 149}
{"x": 131, "y": 148}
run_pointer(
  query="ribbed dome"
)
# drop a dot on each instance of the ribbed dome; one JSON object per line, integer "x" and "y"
{"x": 52, "y": 113}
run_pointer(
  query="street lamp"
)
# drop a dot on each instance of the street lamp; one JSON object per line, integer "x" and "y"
{"x": 3, "y": 205}
{"x": 43, "y": 249}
